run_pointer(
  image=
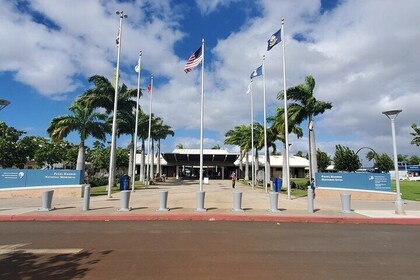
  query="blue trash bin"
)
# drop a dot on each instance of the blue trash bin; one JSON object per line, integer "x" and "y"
{"x": 124, "y": 183}
{"x": 277, "y": 184}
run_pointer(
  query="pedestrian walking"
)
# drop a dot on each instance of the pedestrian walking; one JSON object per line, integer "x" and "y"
{"x": 312, "y": 185}
{"x": 233, "y": 177}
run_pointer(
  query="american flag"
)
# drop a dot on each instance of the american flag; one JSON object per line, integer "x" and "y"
{"x": 194, "y": 60}
{"x": 149, "y": 88}
{"x": 117, "y": 40}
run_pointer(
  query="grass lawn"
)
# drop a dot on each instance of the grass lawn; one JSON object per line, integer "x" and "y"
{"x": 102, "y": 190}
{"x": 410, "y": 190}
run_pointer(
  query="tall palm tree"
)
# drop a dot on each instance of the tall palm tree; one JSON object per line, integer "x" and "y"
{"x": 306, "y": 107}
{"x": 179, "y": 146}
{"x": 278, "y": 127}
{"x": 239, "y": 136}
{"x": 160, "y": 133}
{"x": 416, "y": 134}
{"x": 85, "y": 122}
{"x": 102, "y": 96}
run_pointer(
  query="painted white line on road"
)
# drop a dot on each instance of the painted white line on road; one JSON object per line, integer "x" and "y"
{"x": 17, "y": 248}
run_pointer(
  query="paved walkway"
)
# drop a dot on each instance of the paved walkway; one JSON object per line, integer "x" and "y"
{"x": 218, "y": 203}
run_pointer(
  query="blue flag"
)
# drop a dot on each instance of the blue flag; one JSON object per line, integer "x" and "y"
{"x": 274, "y": 40}
{"x": 257, "y": 72}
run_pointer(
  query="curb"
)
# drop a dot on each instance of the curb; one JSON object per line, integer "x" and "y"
{"x": 212, "y": 217}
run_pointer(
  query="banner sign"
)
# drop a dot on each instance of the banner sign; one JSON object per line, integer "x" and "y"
{"x": 360, "y": 181}
{"x": 20, "y": 178}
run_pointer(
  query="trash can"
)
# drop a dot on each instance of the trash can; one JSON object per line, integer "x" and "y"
{"x": 277, "y": 184}
{"x": 124, "y": 183}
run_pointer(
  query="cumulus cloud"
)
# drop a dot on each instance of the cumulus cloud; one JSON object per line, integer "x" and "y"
{"x": 363, "y": 59}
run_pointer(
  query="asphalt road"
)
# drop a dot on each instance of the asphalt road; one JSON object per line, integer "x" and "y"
{"x": 207, "y": 250}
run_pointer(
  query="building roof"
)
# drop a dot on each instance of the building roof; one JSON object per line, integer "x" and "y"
{"x": 192, "y": 157}
{"x": 277, "y": 161}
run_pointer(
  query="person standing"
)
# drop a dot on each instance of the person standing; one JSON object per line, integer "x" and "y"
{"x": 233, "y": 177}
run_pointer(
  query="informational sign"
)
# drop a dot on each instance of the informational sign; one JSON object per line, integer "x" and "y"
{"x": 20, "y": 178}
{"x": 360, "y": 181}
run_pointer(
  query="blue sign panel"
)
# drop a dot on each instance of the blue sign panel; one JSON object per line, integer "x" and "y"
{"x": 14, "y": 178}
{"x": 361, "y": 181}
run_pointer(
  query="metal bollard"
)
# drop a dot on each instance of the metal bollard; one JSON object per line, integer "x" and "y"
{"x": 345, "y": 203}
{"x": 125, "y": 199}
{"x": 47, "y": 200}
{"x": 163, "y": 200}
{"x": 86, "y": 198}
{"x": 237, "y": 202}
{"x": 274, "y": 198}
{"x": 200, "y": 202}
{"x": 310, "y": 197}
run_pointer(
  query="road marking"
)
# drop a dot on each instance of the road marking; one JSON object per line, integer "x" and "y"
{"x": 16, "y": 248}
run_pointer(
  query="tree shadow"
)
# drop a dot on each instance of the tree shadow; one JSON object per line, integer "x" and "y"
{"x": 22, "y": 265}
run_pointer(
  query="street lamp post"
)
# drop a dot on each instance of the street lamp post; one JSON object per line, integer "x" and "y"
{"x": 392, "y": 115}
{"x": 3, "y": 103}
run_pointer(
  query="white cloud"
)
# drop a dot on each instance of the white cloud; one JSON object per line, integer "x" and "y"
{"x": 363, "y": 55}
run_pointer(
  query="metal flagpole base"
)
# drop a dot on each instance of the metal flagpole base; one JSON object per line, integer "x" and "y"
{"x": 310, "y": 197}
{"x": 86, "y": 198}
{"x": 274, "y": 197}
{"x": 237, "y": 202}
{"x": 163, "y": 200}
{"x": 125, "y": 199}
{"x": 46, "y": 200}
{"x": 345, "y": 203}
{"x": 399, "y": 206}
{"x": 200, "y": 202}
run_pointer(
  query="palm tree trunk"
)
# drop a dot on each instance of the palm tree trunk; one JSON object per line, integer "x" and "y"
{"x": 283, "y": 168}
{"x": 152, "y": 164}
{"x": 313, "y": 162}
{"x": 268, "y": 165}
{"x": 81, "y": 157}
{"x": 142, "y": 161}
{"x": 159, "y": 168}
{"x": 246, "y": 167}
{"x": 241, "y": 156}
{"x": 130, "y": 158}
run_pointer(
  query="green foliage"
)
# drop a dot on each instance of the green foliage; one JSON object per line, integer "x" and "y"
{"x": 416, "y": 134}
{"x": 95, "y": 182}
{"x": 346, "y": 159}
{"x": 323, "y": 160}
{"x": 9, "y": 148}
{"x": 300, "y": 184}
{"x": 50, "y": 153}
{"x": 383, "y": 162}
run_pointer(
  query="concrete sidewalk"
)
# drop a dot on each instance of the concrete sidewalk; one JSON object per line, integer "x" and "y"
{"x": 218, "y": 203}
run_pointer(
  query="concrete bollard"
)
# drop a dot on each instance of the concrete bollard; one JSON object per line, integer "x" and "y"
{"x": 237, "y": 202}
{"x": 125, "y": 199}
{"x": 310, "y": 198}
{"x": 86, "y": 198}
{"x": 163, "y": 200}
{"x": 274, "y": 198}
{"x": 345, "y": 203}
{"x": 47, "y": 200}
{"x": 200, "y": 202}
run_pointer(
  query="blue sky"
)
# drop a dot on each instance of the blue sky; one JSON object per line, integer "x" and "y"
{"x": 363, "y": 60}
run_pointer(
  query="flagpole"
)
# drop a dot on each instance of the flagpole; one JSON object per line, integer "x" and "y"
{"x": 112, "y": 161}
{"x": 286, "y": 116}
{"x": 252, "y": 138}
{"x": 150, "y": 132}
{"x": 136, "y": 124}
{"x": 265, "y": 130}
{"x": 202, "y": 116}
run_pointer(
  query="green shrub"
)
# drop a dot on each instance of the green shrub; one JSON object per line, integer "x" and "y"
{"x": 94, "y": 182}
